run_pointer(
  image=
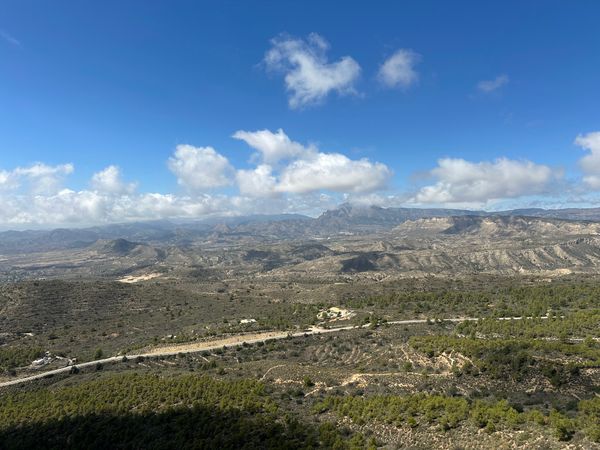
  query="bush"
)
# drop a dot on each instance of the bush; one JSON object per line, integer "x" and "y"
{"x": 563, "y": 427}
{"x": 13, "y": 357}
{"x": 307, "y": 381}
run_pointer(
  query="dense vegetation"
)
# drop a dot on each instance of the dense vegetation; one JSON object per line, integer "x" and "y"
{"x": 12, "y": 357}
{"x": 148, "y": 411}
{"x": 450, "y": 412}
{"x": 515, "y": 357}
{"x": 496, "y": 300}
{"x": 75, "y": 318}
{"x": 577, "y": 325}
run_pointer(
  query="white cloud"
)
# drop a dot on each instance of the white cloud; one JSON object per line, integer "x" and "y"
{"x": 109, "y": 181}
{"x": 487, "y": 86}
{"x": 305, "y": 180}
{"x": 63, "y": 207}
{"x": 399, "y": 69}
{"x": 5, "y": 179}
{"x": 69, "y": 207}
{"x": 37, "y": 178}
{"x": 272, "y": 147}
{"x": 307, "y": 169}
{"x": 460, "y": 181}
{"x": 41, "y": 170}
{"x": 309, "y": 76}
{"x": 258, "y": 182}
{"x": 85, "y": 208}
{"x": 592, "y": 182}
{"x": 333, "y": 172}
{"x": 590, "y": 163}
{"x": 200, "y": 168}
{"x": 160, "y": 206}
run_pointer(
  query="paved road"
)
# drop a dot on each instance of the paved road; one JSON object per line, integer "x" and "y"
{"x": 233, "y": 341}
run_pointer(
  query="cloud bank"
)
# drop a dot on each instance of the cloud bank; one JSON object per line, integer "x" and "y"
{"x": 287, "y": 177}
{"x": 284, "y": 175}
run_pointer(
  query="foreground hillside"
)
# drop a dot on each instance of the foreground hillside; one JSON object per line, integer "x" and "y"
{"x": 386, "y": 380}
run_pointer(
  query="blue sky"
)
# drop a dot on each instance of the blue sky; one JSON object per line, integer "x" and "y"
{"x": 474, "y": 104}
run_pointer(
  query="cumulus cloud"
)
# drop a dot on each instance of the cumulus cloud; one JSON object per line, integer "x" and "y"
{"x": 200, "y": 168}
{"x": 488, "y": 86}
{"x": 301, "y": 179}
{"x": 109, "y": 181}
{"x": 333, "y": 172}
{"x": 590, "y": 163}
{"x": 288, "y": 176}
{"x": 399, "y": 69}
{"x": 272, "y": 147}
{"x": 309, "y": 76}
{"x": 307, "y": 169}
{"x": 38, "y": 177}
{"x": 461, "y": 181}
{"x": 258, "y": 182}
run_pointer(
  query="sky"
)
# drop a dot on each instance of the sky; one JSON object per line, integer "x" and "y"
{"x": 121, "y": 111}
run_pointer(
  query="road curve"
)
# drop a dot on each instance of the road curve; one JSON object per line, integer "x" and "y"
{"x": 233, "y": 341}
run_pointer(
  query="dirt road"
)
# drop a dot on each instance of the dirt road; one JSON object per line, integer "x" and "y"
{"x": 232, "y": 341}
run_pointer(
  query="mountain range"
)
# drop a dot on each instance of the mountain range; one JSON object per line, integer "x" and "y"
{"x": 346, "y": 218}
